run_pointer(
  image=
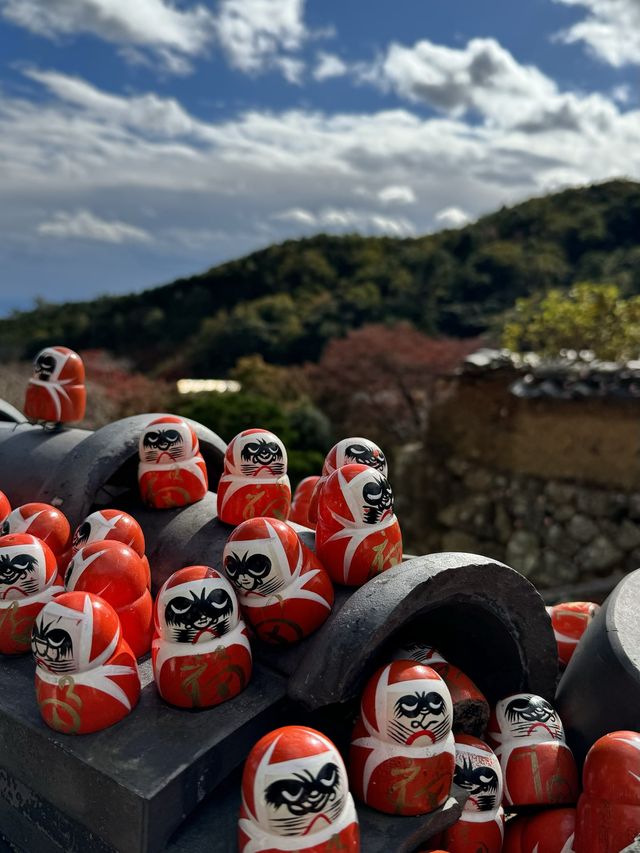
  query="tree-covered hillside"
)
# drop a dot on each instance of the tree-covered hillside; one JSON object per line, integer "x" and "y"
{"x": 288, "y": 300}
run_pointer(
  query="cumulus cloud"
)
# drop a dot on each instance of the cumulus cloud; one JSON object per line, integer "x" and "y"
{"x": 262, "y": 176}
{"x": 452, "y": 217}
{"x": 174, "y": 34}
{"x": 611, "y": 30}
{"x": 255, "y": 32}
{"x": 329, "y": 65}
{"x": 84, "y": 225}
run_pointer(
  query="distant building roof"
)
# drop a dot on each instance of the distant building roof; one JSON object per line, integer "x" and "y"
{"x": 573, "y": 376}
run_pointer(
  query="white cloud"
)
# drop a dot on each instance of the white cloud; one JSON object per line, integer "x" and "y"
{"x": 84, "y": 225}
{"x": 452, "y": 217}
{"x": 174, "y": 34}
{"x": 611, "y": 30}
{"x": 329, "y": 65}
{"x": 347, "y": 219}
{"x": 254, "y": 32}
{"x": 397, "y": 195}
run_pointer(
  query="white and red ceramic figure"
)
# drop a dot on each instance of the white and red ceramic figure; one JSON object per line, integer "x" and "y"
{"x": 402, "y": 756}
{"x": 116, "y": 573}
{"x": 348, "y": 451}
{"x": 254, "y": 481}
{"x": 283, "y": 591}
{"x": 570, "y": 620}
{"x": 295, "y": 796}
{"x": 28, "y": 580}
{"x": 201, "y": 653}
{"x": 546, "y": 831}
{"x": 42, "y": 520}
{"x": 5, "y": 507}
{"x": 56, "y": 392}
{"x": 111, "y": 525}
{"x": 302, "y": 501}
{"x": 172, "y": 471}
{"x": 464, "y": 692}
{"x": 608, "y": 814}
{"x": 86, "y": 674}
{"x": 538, "y": 767}
{"x": 477, "y": 772}
{"x": 357, "y": 534}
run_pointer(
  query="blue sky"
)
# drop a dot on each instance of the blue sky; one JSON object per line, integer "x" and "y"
{"x": 141, "y": 140}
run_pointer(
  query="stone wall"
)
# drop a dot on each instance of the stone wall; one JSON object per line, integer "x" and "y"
{"x": 551, "y": 488}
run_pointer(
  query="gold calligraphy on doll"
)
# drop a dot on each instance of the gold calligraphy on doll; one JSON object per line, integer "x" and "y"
{"x": 383, "y": 559}
{"x": 64, "y": 716}
{"x": 19, "y": 629}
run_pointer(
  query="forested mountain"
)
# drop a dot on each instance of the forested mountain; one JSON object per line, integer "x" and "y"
{"x": 288, "y": 300}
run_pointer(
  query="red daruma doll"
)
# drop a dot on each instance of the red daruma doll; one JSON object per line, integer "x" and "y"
{"x": 538, "y": 767}
{"x": 111, "y": 525}
{"x": 86, "y": 674}
{"x": 5, "y": 507}
{"x": 201, "y": 653}
{"x": 283, "y": 590}
{"x": 547, "y": 831}
{"x": 402, "y": 755}
{"x": 41, "y": 520}
{"x": 172, "y": 471}
{"x": 357, "y": 535}
{"x": 254, "y": 481}
{"x": 478, "y": 772}
{"x": 295, "y": 796}
{"x": 301, "y": 502}
{"x": 28, "y": 580}
{"x": 608, "y": 815}
{"x": 56, "y": 392}
{"x": 348, "y": 451}
{"x": 117, "y": 574}
{"x": 570, "y": 620}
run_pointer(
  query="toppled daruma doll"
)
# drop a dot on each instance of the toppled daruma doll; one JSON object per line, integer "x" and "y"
{"x": 110, "y": 525}
{"x": 481, "y": 826}
{"x": 402, "y": 755}
{"x": 172, "y": 471}
{"x": 538, "y": 767}
{"x": 470, "y": 707}
{"x": 117, "y": 574}
{"x": 86, "y": 674}
{"x": 254, "y": 481}
{"x": 28, "y": 580}
{"x": 357, "y": 535}
{"x": 56, "y": 393}
{"x": 201, "y": 654}
{"x": 282, "y": 589}
{"x": 295, "y": 796}
{"x": 302, "y": 501}
{"x": 570, "y": 620}
{"x": 348, "y": 451}
{"x": 46, "y": 522}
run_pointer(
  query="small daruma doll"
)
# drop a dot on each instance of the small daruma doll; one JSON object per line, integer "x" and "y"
{"x": 470, "y": 707}
{"x": 295, "y": 796}
{"x": 111, "y": 525}
{"x": 172, "y": 471}
{"x": 5, "y": 507}
{"x": 357, "y": 535}
{"x": 86, "y": 674}
{"x": 201, "y": 653}
{"x": 301, "y": 502}
{"x": 56, "y": 392}
{"x": 282, "y": 589}
{"x": 28, "y": 580}
{"x": 42, "y": 520}
{"x": 116, "y": 573}
{"x": 570, "y": 620}
{"x": 538, "y": 767}
{"x": 547, "y": 831}
{"x": 254, "y": 481}
{"x": 402, "y": 755}
{"x": 348, "y": 451}
{"x": 608, "y": 814}
{"x": 481, "y": 826}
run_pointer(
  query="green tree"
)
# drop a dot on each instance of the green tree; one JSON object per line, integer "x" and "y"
{"x": 588, "y": 316}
